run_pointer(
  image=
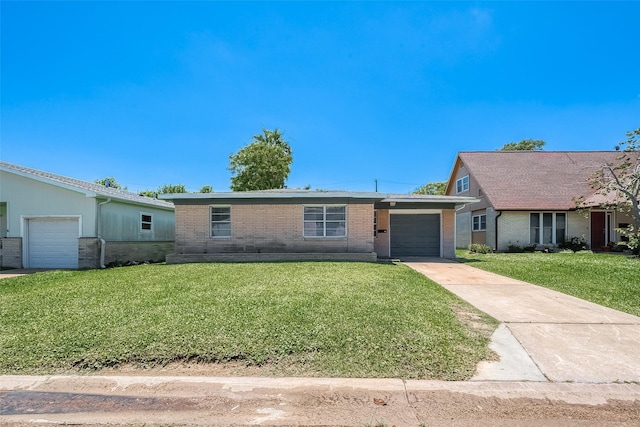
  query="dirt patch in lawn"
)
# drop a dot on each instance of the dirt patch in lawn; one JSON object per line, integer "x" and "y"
{"x": 472, "y": 320}
{"x": 229, "y": 369}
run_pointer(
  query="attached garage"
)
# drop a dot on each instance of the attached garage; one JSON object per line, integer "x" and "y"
{"x": 415, "y": 235}
{"x": 51, "y": 242}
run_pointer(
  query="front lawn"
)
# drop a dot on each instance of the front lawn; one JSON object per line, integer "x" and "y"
{"x": 311, "y": 319}
{"x": 608, "y": 279}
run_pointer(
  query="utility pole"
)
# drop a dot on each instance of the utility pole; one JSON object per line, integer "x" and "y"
{"x": 376, "y": 181}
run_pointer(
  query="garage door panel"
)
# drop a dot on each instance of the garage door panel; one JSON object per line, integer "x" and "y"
{"x": 52, "y": 243}
{"x": 415, "y": 235}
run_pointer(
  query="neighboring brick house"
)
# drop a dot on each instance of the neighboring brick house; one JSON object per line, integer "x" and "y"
{"x": 311, "y": 225}
{"x": 52, "y": 221}
{"x": 529, "y": 198}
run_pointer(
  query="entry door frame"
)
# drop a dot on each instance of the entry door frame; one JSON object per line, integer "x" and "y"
{"x": 601, "y": 221}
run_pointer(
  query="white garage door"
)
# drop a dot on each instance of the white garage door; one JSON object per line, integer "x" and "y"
{"x": 52, "y": 243}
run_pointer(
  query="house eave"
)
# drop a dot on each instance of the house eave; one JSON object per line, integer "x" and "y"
{"x": 273, "y": 195}
{"x": 384, "y": 198}
{"x": 536, "y": 208}
{"x": 456, "y": 200}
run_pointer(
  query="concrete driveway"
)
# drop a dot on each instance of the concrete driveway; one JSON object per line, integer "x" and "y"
{"x": 545, "y": 335}
{"x": 5, "y": 274}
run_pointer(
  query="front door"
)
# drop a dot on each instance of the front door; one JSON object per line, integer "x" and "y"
{"x": 598, "y": 230}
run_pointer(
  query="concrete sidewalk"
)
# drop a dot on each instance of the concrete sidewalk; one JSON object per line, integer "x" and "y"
{"x": 16, "y": 272}
{"x": 567, "y": 339}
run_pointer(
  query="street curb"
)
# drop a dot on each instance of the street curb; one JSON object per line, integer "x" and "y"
{"x": 171, "y": 386}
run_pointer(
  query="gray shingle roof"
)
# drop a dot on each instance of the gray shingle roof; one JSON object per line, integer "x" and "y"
{"x": 88, "y": 188}
{"x": 535, "y": 180}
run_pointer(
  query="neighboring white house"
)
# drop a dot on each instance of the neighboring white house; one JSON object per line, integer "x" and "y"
{"x": 51, "y": 221}
{"x": 529, "y": 198}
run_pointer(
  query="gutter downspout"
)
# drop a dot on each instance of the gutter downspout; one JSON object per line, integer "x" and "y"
{"x": 103, "y": 244}
{"x": 455, "y": 233}
{"x": 496, "y": 230}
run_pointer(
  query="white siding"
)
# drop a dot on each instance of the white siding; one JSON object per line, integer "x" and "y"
{"x": 463, "y": 230}
{"x": 121, "y": 222}
{"x": 3, "y": 219}
{"x": 27, "y": 197}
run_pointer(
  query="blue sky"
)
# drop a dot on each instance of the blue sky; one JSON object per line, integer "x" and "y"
{"x": 157, "y": 93}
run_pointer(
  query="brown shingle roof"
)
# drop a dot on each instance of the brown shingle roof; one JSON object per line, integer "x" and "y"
{"x": 535, "y": 180}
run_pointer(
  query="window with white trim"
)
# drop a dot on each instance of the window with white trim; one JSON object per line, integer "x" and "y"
{"x": 146, "y": 222}
{"x": 462, "y": 184}
{"x": 547, "y": 228}
{"x": 479, "y": 222}
{"x": 325, "y": 221}
{"x": 220, "y": 221}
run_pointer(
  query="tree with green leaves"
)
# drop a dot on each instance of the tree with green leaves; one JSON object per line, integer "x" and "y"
{"x": 172, "y": 189}
{"x": 165, "y": 189}
{"x": 206, "y": 189}
{"x": 109, "y": 182}
{"x": 432, "y": 188}
{"x": 263, "y": 164}
{"x": 524, "y": 145}
{"x": 148, "y": 193}
{"x": 619, "y": 184}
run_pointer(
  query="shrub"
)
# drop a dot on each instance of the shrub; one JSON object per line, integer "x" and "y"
{"x": 618, "y": 247}
{"x": 574, "y": 244}
{"x": 516, "y": 249}
{"x": 478, "y": 248}
{"x": 513, "y": 248}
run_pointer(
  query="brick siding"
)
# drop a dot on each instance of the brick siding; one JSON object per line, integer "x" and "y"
{"x": 137, "y": 251}
{"x": 88, "y": 252}
{"x": 11, "y": 252}
{"x": 448, "y": 230}
{"x": 269, "y": 228}
{"x": 513, "y": 229}
{"x": 382, "y": 243}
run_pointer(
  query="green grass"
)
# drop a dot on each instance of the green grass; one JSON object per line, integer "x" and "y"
{"x": 608, "y": 279}
{"x": 318, "y": 319}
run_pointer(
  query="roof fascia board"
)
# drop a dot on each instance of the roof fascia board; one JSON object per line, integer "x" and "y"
{"x": 134, "y": 203}
{"x": 452, "y": 173}
{"x": 458, "y": 200}
{"x": 266, "y": 195}
{"x": 471, "y": 175}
